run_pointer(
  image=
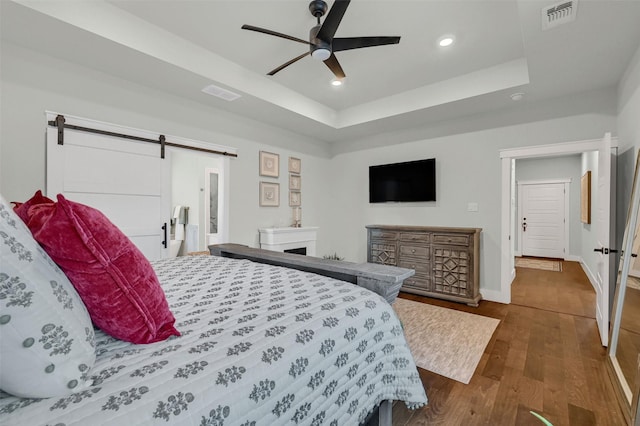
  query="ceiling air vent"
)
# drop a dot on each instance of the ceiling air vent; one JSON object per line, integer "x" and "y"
{"x": 221, "y": 93}
{"x": 559, "y": 13}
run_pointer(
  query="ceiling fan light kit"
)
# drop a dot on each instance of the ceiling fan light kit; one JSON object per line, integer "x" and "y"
{"x": 446, "y": 41}
{"x": 322, "y": 44}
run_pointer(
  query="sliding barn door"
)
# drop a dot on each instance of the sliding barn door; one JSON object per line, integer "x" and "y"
{"x": 124, "y": 179}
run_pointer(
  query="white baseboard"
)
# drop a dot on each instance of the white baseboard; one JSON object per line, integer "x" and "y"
{"x": 494, "y": 296}
{"x": 573, "y": 258}
{"x": 590, "y": 275}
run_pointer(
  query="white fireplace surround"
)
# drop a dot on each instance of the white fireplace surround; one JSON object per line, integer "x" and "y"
{"x": 288, "y": 238}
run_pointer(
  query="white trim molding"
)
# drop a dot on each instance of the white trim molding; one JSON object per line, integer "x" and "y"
{"x": 508, "y": 157}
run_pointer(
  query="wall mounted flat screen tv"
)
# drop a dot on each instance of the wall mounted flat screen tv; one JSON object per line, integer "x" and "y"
{"x": 403, "y": 182}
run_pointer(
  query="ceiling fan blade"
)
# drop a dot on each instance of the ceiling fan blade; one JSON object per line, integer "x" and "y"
{"x": 334, "y": 66}
{"x": 288, "y": 63}
{"x": 331, "y": 22}
{"x": 273, "y": 33}
{"x": 340, "y": 44}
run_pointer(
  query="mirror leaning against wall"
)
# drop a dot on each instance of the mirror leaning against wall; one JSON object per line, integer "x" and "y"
{"x": 623, "y": 356}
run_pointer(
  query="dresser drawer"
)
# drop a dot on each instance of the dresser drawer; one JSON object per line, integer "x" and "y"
{"x": 383, "y": 253}
{"x": 422, "y": 283}
{"x": 420, "y": 267}
{"x": 451, "y": 239}
{"x": 383, "y": 234}
{"x": 421, "y": 237}
{"x": 414, "y": 251}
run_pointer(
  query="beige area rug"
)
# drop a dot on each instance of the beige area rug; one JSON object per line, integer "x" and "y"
{"x": 445, "y": 341}
{"x": 545, "y": 264}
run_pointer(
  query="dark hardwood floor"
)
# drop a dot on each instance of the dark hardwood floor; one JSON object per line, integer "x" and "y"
{"x": 544, "y": 356}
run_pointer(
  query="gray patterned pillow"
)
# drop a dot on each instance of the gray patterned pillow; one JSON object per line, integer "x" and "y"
{"x": 46, "y": 337}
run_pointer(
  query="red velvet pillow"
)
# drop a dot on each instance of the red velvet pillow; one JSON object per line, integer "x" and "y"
{"x": 22, "y": 209}
{"x": 115, "y": 281}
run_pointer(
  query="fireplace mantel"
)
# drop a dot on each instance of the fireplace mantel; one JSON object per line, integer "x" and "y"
{"x": 289, "y": 238}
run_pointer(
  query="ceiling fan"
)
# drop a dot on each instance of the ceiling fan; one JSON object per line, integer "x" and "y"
{"x": 322, "y": 44}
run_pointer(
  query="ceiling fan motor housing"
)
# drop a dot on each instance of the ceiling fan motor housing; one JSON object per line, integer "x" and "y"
{"x": 318, "y": 8}
{"x": 319, "y": 49}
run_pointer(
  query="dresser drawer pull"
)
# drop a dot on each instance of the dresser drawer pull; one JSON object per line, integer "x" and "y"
{"x": 413, "y": 250}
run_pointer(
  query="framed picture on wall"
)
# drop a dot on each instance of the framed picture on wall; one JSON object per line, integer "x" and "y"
{"x": 295, "y": 182}
{"x": 295, "y": 165}
{"x": 295, "y": 198}
{"x": 269, "y": 194}
{"x": 269, "y": 164}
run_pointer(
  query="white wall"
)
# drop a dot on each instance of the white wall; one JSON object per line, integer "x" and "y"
{"x": 566, "y": 167}
{"x": 468, "y": 170}
{"x": 629, "y": 137}
{"x": 334, "y": 191}
{"x": 589, "y": 237}
{"x": 32, "y": 83}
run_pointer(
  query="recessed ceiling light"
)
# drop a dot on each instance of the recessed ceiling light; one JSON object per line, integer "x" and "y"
{"x": 445, "y": 41}
{"x": 517, "y": 96}
{"x": 336, "y": 82}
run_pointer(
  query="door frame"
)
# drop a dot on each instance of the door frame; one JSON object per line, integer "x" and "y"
{"x": 567, "y": 195}
{"x": 507, "y": 227}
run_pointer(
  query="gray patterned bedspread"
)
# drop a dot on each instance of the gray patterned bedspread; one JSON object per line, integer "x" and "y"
{"x": 260, "y": 345}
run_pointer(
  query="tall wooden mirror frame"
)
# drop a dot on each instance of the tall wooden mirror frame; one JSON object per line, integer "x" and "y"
{"x": 627, "y": 388}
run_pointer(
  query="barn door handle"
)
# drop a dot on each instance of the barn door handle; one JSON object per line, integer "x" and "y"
{"x": 164, "y": 228}
{"x": 605, "y": 250}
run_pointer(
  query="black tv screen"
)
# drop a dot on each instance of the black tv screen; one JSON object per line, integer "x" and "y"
{"x": 408, "y": 181}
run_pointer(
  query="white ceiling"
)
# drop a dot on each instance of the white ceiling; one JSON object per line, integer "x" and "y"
{"x": 180, "y": 46}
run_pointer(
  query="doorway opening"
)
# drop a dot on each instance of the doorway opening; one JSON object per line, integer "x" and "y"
{"x": 601, "y": 278}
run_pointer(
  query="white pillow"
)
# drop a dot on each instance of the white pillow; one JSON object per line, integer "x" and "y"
{"x": 47, "y": 342}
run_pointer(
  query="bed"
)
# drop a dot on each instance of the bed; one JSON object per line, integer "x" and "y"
{"x": 260, "y": 345}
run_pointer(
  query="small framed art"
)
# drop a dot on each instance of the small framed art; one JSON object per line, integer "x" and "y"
{"x": 269, "y": 164}
{"x": 295, "y": 165}
{"x": 295, "y": 182}
{"x": 295, "y": 198}
{"x": 269, "y": 194}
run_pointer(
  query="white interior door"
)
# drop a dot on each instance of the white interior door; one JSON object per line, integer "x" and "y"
{"x": 126, "y": 180}
{"x": 602, "y": 223}
{"x": 543, "y": 220}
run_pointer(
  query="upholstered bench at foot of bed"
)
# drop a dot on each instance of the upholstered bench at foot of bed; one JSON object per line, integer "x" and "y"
{"x": 382, "y": 279}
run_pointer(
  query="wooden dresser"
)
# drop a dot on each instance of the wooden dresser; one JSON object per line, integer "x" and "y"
{"x": 446, "y": 260}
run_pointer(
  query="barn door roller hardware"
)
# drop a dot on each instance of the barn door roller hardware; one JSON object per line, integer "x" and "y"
{"x": 59, "y": 122}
